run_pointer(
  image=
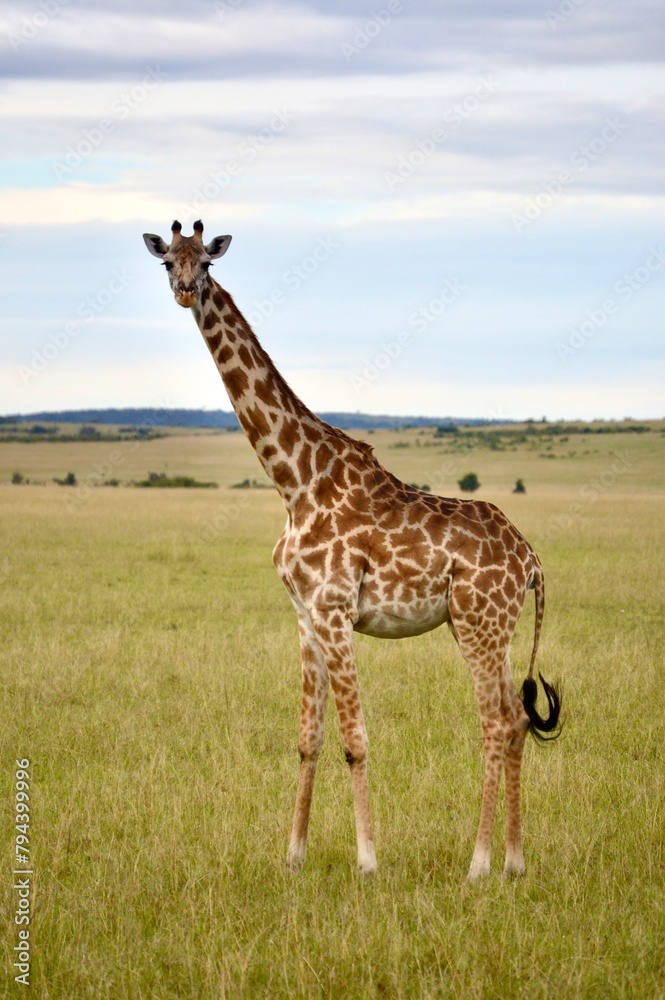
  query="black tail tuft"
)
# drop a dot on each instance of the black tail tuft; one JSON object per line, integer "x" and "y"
{"x": 537, "y": 725}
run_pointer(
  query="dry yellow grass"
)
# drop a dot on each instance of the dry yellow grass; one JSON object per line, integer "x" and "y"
{"x": 150, "y": 674}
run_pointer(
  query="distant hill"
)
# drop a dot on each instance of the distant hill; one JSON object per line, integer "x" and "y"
{"x": 132, "y": 417}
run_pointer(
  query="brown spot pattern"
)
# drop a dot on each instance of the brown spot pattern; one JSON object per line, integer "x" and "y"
{"x": 214, "y": 340}
{"x": 283, "y": 475}
{"x": 289, "y": 436}
{"x": 245, "y": 357}
{"x": 266, "y": 392}
{"x": 236, "y": 382}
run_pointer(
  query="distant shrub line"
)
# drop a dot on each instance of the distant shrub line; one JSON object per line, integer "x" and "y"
{"x": 157, "y": 480}
{"x": 39, "y": 432}
{"x": 160, "y": 480}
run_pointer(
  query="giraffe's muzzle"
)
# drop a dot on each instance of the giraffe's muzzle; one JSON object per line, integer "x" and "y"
{"x": 185, "y": 299}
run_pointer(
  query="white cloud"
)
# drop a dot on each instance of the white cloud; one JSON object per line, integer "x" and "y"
{"x": 199, "y": 142}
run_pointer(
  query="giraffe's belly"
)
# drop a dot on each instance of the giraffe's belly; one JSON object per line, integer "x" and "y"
{"x": 399, "y": 621}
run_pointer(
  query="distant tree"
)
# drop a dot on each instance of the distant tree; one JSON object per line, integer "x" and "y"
{"x": 519, "y": 487}
{"x": 69, "y": 480}
{"x": 17, "y": 478}
{"x": 251, "y": 484}
{"x": 469, "y": 483}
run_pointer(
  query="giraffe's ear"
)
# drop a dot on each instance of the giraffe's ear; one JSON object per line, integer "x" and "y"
{"x": 218, "y": 246}
{"x": 155, "y": 244}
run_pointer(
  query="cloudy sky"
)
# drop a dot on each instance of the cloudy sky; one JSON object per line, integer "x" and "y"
{"x": 436, "y": 207}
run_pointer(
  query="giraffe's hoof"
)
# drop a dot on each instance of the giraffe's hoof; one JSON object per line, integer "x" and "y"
{"x": 295, "y": 858}
{"x": 478, "y": 870}
{"x": 513, "y": 869}
{"x": 367, "y": 862}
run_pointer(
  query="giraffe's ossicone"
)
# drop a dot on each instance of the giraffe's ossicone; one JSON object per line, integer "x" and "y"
{"x": 363, "y": 551}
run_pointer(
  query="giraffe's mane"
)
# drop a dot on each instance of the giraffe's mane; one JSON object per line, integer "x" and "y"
{"x": 348, "y": 439}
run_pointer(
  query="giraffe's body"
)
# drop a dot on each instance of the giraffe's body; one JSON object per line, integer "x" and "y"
{"x": 362, "y": 551}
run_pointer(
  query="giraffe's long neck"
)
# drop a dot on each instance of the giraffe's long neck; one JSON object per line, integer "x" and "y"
{"x": 287, "y": 437}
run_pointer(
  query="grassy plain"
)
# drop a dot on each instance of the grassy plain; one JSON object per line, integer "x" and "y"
{"x": 150, "y": 673}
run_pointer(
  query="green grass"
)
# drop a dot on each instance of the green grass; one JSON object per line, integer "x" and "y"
{"x": 150, "y": 673}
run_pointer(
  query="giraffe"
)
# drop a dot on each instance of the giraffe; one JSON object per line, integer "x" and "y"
{"x": 362, "y": 551}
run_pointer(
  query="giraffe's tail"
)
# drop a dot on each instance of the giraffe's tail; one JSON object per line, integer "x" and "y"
{"x": 538, "y": 726}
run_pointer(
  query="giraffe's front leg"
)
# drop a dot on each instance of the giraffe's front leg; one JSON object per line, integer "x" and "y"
{"x": 310, "y": 741}
{"x": 335, "y": 636}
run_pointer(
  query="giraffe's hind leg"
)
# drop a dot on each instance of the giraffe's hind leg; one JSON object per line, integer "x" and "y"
{"x": 485, "y": 647}
{"x": 486, "y": 672}
{"x": 518, "y": 727}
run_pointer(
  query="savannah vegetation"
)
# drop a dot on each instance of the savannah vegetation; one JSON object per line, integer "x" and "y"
{"x": 150, "y": 673}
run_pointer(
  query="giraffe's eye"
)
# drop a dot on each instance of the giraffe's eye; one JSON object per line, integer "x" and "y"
{"x": 168, "y": 265}
{"x": 206, "y": 264}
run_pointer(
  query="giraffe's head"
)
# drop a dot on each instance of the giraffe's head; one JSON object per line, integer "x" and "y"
{"x": 187, "y": 260}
